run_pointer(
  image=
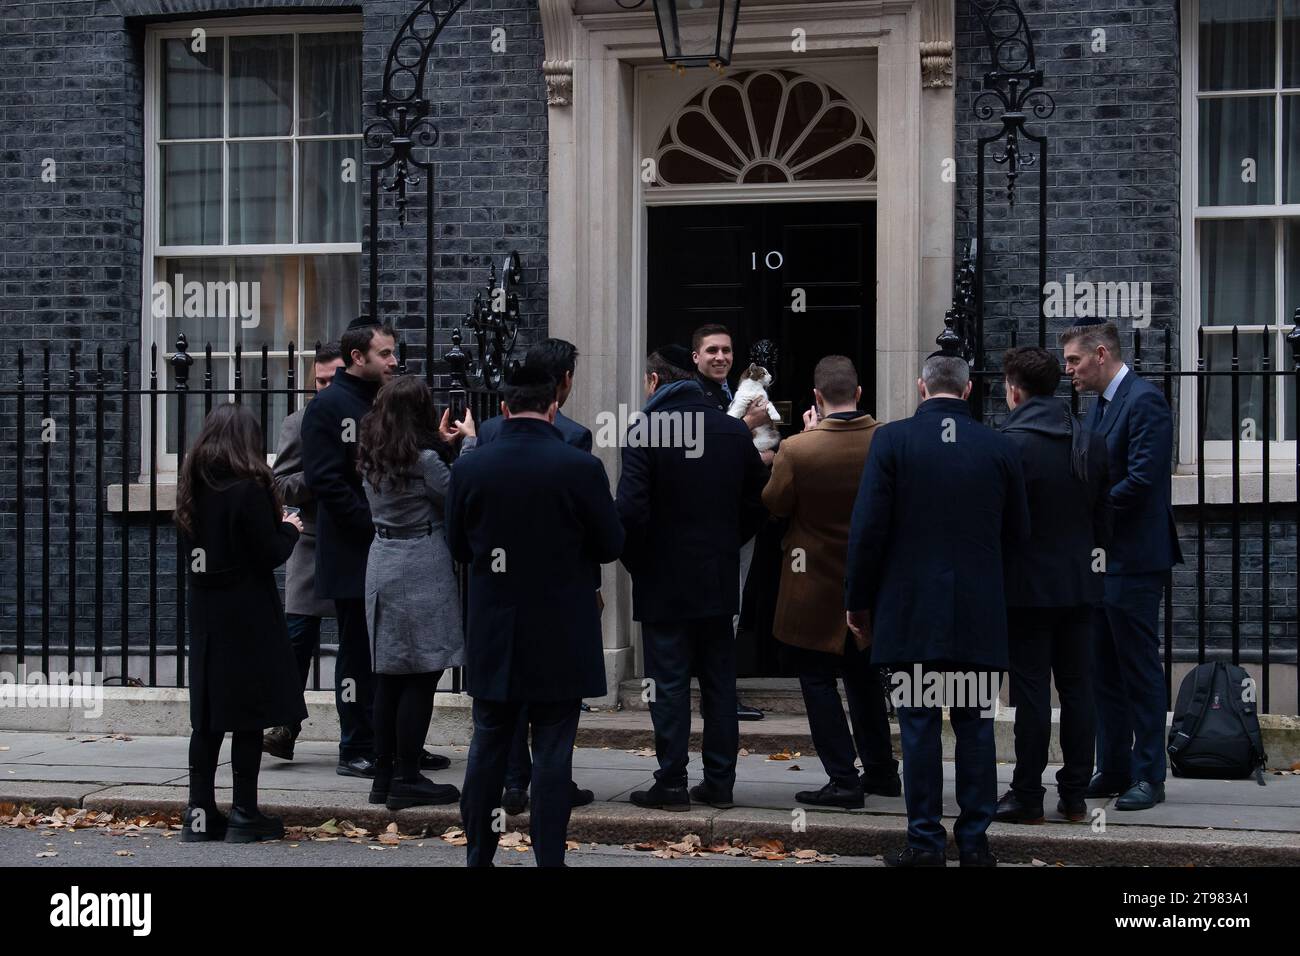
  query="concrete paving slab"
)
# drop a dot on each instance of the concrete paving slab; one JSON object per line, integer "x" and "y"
{"x": 76, "y": 774}
{"x": 161, "y": 752}
{"x": 44, "y": 794}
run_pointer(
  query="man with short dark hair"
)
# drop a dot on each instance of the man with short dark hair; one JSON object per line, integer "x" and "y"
{"x": 1052, "y": 585}
{"x": 940, "y": 495}
{"x": 686, "y": 514}
{"x": 712, "y": 354}
{"x": 303, "y": 611}
{"x": 533, "y": 519}
{"x": 558, "y": 359}
{"x": 814, "y": 482}
{"x": 330, "y": 429}
{"x": 1128, "y": 678}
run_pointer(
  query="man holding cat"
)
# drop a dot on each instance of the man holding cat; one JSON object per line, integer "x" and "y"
{"x": 712, "y": 353}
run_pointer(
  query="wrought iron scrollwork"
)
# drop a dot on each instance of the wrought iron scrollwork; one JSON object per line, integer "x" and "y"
{"x": 494, "y": 320}
{"x": 959, "y": 332}
{"x": 1013, "y": 83}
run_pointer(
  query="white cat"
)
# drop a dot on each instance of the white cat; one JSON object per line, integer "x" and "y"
{"x": 753, "y": 383}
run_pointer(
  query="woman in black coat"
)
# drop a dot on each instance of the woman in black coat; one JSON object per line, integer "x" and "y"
{"x": 243, "y": 677}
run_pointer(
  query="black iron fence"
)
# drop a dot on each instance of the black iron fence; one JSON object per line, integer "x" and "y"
{"x": 94, "y": 572}
{"x": 1234, "y": 597}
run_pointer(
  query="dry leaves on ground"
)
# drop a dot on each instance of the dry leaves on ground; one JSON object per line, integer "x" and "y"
{"x": 643, "y": 752}
{"x": 61, "y": 818}
{"x": 455, "y": 836}
{"x": 692, "y": 846}
{"x": 784, "y": 755}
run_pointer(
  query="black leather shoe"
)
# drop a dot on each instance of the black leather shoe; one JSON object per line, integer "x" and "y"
{"x": 203, "y": 825}
{"x": 833, "y": 795}
{"x": 1013, "y": 808}
{"x": 882, "y": 784}
{"x": 432, "y": 761}
{"x": 1103, "y": 786}
{"x": 514, "y": 802}
{"x": 421, "y": 792}
{"x": 714, "y": 798}
{"x": 978, "y": 858}
{"x": 1141, "y": 796}
{"x": 356, "y": 767}
{"x": 745, "y": 712}
{"x": 660, "y": 797}
{"x": 1073, "y": 808}
{"x": 278, "y": 742}
{"x": 383, "y": 780}
{"x": 252, "y": 826}
{"x": 579, "y": 797}
{"x": 914, "y": 857}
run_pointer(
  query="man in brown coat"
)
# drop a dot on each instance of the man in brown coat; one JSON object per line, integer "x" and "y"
{"x": 814, "y": 483}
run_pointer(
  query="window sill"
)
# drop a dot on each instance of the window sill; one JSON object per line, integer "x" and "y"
{"x": 1218, "y": 484}
{"x": 138, "y": 496}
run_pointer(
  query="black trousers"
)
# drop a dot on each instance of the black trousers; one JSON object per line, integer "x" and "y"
{"x": 1046, "y": 643}
{"x": 818, "y": 673}
{"x": 353, "y": 689}
{"x": 555, "y": 728}
{"x": 403, "y": 708}
{"x": 673, "y": 651}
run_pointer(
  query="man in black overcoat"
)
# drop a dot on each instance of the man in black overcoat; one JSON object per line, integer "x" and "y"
{"x": 331, "y": 428}
{"x": 533, "y": 519}
{"x": 940, "y": 495}
{"x": 1053, "y": 584}
{"x": 688, "y": 506}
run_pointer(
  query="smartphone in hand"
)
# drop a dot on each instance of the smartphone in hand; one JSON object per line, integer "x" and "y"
{"x": 288, "y": 511}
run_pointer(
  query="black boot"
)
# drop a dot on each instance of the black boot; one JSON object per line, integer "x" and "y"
{"x": 1014, "y": 808}
{"x": 203, "y": 825}
{"x": 420, "y": 792}
{"x": 383, "y": 780}
{"x": 659, "y": 797}
{"x": 833, "y": 795}
{"x": 252, "y": 826}
{"x": 1073, "y": 807}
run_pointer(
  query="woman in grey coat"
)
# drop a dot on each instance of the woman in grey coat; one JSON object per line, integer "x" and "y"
{"x": 412, "y": 596}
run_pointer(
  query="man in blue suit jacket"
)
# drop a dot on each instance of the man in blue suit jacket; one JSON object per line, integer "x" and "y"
{"x": 1134, "y": 418}
{"x": 558, "y": 359}
{"x": 534, "y": 520}
{"x": 941, "y": 495}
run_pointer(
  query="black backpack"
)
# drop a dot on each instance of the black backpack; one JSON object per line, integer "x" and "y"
{"x": 1215, "y": 732}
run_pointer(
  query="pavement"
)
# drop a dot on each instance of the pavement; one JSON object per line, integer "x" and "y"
{"x": 1202, "y": 822}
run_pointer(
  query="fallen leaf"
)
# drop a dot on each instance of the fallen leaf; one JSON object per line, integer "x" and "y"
{"x": 643, "y": 752}
{"x": 783, "y": 755}
{"x": 1037, "y": 862}
{"x": 794, "y": 766}
{"x": 46, "y": 853}
{"x": 123, "y": 853}
{"x": 743, "y": 752}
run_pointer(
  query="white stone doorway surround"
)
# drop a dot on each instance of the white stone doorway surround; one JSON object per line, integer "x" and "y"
{"x": 596, "y": 301}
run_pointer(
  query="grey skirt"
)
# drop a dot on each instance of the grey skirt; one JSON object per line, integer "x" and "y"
{"x": 413, "y": 606}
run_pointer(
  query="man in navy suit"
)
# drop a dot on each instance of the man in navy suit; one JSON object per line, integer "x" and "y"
{"x": 558, "y": 359}
{"x": 687, "y": 505}
{"x": 941, "y": 496}
{"x": 1134, "y": 418}
{"x": 534, "y": 520}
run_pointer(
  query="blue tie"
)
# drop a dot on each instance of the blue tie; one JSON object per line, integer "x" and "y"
{"x": 1101, "y": 407}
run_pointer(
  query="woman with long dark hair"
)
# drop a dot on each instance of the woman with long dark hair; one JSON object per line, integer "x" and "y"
{"x": 243, "y": 677}
{"x": 412, "y": 596}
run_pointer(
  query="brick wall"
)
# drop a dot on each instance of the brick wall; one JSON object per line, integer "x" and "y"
{"x": 72, "y": 89}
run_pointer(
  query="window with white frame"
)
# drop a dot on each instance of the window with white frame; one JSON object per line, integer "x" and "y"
{"x": 253, "y": 198}
{"x": 1244, "y": 73}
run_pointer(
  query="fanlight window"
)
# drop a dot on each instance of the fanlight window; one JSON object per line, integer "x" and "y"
{"x": 766, "y": 126}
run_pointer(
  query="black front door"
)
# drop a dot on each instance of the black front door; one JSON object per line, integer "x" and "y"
{"x": 800, "y": 274}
